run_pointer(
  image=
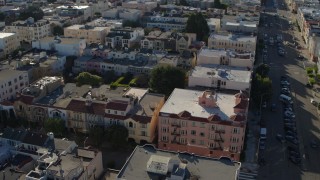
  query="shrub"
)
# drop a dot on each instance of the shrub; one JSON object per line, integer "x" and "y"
{"x": 312, "y": 81}
{"x": 311, "y": 75}
{"x": 318, "y": 76}
{"x": 309, "y": 70}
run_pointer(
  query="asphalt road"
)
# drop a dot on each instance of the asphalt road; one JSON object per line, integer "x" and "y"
{"x": 277, "y": 164}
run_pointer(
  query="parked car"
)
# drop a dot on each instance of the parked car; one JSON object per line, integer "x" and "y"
{"x": 314, "y": 144}
{"x": 292, "y": 139}
{"x": 295, "y": 160}
{"x": 262, "y": 145}
{"x": 308, "y": 85}
{"x": 285, "y": 83}
{"x": 280, "y": 138}
{"x": 314, "y": 102}
{"x": 291, "y": 133}
{"x": 273, "y": 107}
{"x": 289, "y": 114}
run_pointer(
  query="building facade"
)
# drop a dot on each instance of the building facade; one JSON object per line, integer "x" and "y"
{"x": 8, "y": 42}
{"x": 90, "y": 33}
{"x": 12, "y": 82}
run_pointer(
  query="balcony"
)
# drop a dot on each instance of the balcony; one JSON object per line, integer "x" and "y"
{"x": 175, "y": 125}
{"x": 218, "y": 140}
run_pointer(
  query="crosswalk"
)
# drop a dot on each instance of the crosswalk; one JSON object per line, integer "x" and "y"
{"x": 248, "y": 176}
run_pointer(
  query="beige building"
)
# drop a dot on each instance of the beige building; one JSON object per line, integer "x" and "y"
{"x": 29, "y": 30}
{"x": 90, "y": 33}
{"x": 12, "y": 82}
{"x": 144, "y": 6}
{"x": 238, "y": 42}
{"x": 8, "y": 42}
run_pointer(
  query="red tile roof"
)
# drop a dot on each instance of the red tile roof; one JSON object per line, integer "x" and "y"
{"x": 80, "y": 106}
{"x": 141, "y": 119}
{"x": 117, "y": 105}
{"x": 26, "y": 99}
{"x": 237, "y": 117}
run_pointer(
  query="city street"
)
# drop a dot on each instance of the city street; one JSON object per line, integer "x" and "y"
{"x": 277, "y": 164}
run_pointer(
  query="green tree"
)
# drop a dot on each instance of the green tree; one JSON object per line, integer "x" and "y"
{"x": 184, "y": 3}
{"x": 261, "y": 86}
{"x": 52, "y": 1}
{"x": 57, "y": 30}
{"x": 31, "y": 11}
{"x": 55, "y": 125}
{"x": 164, "y": 79}
{"x": 96, "y": 135}
{"x": 198, "y": 24}
{"x": 117, "y": 136}
{"x": 263, "y": 70}
{"x": 217, "y": 4}
{"x": 87, "y": 78}
{"x": 133, "y": 24}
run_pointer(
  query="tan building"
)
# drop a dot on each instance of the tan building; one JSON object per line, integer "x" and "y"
{"x": 29, "y": 30}
{"x": 144, "y": 6}
{"x": 238, "y": 42}
{"x": 12, "y": 82}
{"x": 90, "y": 33}
{"x": 8, "y": 42}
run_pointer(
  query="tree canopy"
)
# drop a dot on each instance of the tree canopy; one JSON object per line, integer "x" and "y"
{"x": 263, "y": 70}
{"x": 117, "y": 135}
{"x": 2, "y": 16}
{"x": 87, "y": 78}
{"x": 164, "y": 79}
{"x": 55, "y": 125}
{"x": 57, "y": 30}
{"x": 261, "y": 88}
{"x": 32, "y": 11}
{"x": 217, "y": 4}
{"x": 198, "y": 24}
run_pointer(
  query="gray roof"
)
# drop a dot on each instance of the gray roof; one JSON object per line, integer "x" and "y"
{"x": 196, "y": 166}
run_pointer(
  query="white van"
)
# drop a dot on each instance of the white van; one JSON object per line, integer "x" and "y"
{"x": 263, "y": 133}
{"x": 285, "y": 99}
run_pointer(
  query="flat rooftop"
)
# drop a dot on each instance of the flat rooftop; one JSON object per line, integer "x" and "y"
{"x": 205, "y": 52}
{"x": 196, "y": 167}
{"x": 187, "y": 100}
{"x": 83, "y": 27}
{"x": 4, "y": 35}
{"x": 229, "y": 73}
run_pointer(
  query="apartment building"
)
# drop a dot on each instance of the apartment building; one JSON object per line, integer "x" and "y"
{"x": 124, "y": 37}
{"x": 220, "y": 77}
{"x": 84, "y": 12}
{"x": 308, "y": 19}
{"x": 8, "y": 42}
{"x": 314, "y": 46}
{"x": 12, "y": 82}
{"x": 240, "y": 22}
{"x": 237, "y": 42}
{"x": 170, "y": 41}
{"x": 225, "y": 57}
{"x": 90, "y": 33}
{"x": 147, "y": 162}
{"x": 167, "y": 22}
{"x": 204, "y": 123}
{"x": 29, "y": 30}
{"x": 65, "y": 46}
{"x": 33, "y": 101}
{"x": 143, "y": 5}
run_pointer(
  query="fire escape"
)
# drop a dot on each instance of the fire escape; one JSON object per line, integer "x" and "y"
{"x": 175, "y": 133}
{"x": 219, "y": 140}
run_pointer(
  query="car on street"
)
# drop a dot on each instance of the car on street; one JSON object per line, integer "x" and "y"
{"x": 314, "y": 102}
{"x": 273, "y": 107}
{"x": 280, "y": 138}
{"x": 292, "y": 139}
{"x": 262, "y": 144}
{"x": 289, "y": 114}
{"x": 314, "y": 144}
{"x": 295, "y": 160}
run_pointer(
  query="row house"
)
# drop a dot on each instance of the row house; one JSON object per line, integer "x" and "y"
{"x": 225, "y": 57}
{"x": 240, "y": 22}
{"x": 92, "y": 34}
{"x": 143, "y": 5}
{"x": 204, "y": 123}
{"x": 237, "y": 42}
{"x": 307, "y": 18}
{"x": 170, "y": 41}
{"x": 124, "y": 37}
{"x": 29, "y": 30}
{"x": 84, "y": 12}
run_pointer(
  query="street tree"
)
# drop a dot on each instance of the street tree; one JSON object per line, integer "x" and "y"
{"x": 58, "y": 30}
{"x": 87, "y": 78}
{"x": 261, "y": 88}
{"x": 31, "y": 11}
{"x": 198, "y": 24}
{"x": 164, "y": 79}
{"x": 55, "y": 125}
{"x": 263, "y": 69}
{"x": 117, "y": 136}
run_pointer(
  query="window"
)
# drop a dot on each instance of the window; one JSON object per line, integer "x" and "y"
{"x": 193, "y": 141}
{"x": 202, "y": 125}
{"x": 164, "y": 138}
{"x": 9, "y": 83}
{"x": 115, "y": 112}
{"x": 201, "y": 142}
{"x": 164, "y": 129}
{"x": 236, "y": 131}
{"x": 193, "y": 124}
{"x": 130, "y": 124}
{"x": 202, "y": 134}
{"x": 143, "y": 133}
{"x": 182, "y": 141}
{"x": 193, "y": 132}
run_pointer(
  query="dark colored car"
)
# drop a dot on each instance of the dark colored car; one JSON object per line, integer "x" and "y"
{"x": 273, "y": 107}
{"x": 280, "y": 138}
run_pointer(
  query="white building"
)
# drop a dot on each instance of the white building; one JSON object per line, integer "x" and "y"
{"x": 85, "y": 11}
{"x": 167, "y": 22}
{"x": 238, "y": 42}
{"x": 240, "y": 23}
{"x": 130, "y": 14}
{"x": 221, "y": 77}
{"x": 225, "y": 57}
{"x": 64, "y": 46}
{"x": 8, "y": 42}
{"x": 29, "y": 30}
{"x": 12, "y": 82}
